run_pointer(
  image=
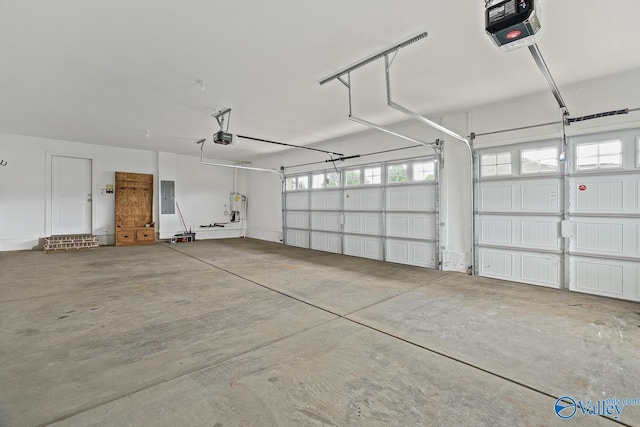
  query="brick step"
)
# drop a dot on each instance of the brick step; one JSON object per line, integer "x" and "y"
{"x": 70, "y": 242}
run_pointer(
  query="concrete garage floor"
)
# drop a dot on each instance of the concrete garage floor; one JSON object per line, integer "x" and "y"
{"x": 243, "y": 332}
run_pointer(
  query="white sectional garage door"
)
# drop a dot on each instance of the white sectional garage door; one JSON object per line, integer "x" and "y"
{"x": 520, "y": 208}
{"x": 578, "y": 230}
{"x": 385, "y": 211}
{"x": 604, "y": 188}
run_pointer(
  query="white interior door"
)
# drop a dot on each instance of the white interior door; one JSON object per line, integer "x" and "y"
{"x": 71, "y": 196}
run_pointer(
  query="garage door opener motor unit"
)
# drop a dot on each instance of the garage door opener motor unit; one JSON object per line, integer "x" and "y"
{"x": 223, "y": 136}
{"x": 512, "y": 23}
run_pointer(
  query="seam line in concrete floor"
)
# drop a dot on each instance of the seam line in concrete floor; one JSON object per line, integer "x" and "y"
{"x": 299, "y": 299}
{"x": 191, "y": 371}
{"x": 398, "y": 295}
{"x": 436, "y": 352}
{"x": 486, "y": 371}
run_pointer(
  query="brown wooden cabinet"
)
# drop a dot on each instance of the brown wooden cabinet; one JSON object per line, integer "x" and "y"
{"x": 134, "y": 209}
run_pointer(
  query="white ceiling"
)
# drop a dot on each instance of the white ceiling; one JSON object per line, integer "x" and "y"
{"x": 105, "y": 72}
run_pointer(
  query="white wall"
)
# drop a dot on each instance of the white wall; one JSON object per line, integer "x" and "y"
{"x": 202, "y": 194}
{"x": 611, "y": 93}
{"x": 25, "y": 195}
{"x": 202, "y": 191}
{"x": 25, "y": 186}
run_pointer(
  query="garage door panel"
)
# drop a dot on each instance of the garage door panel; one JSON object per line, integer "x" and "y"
{"x": 497, "y": 264}
{"x": 523, "y": 232}
{"x": 363, "y": 223}
{"x": 410, "y": 198}
{"x": 326, "y": 200}
{"x": 496, "y": 197}
{"x": 327, "y": 242}
{"x": 410, "y": 252}
{"x": 607, "y": 277}
{"x": 298, "y": 238}
{"x": 540, "y": 196}
{"x": 363, "y": 246}
{"x": 298, "y": 200}
{"x": 531, "y": 195}
{"x": 610, "y": 236}
{"x": 327, "y": 221}
{"x": 521, "y": 266}
{"x": 605, "y": 194}
{"x": 541, "y": 233}
{"x": 496, "y": 231}
{"x": 601, "y": 196}
{"x": 540, "y": 270}
{"x": 297, "y": 219}
{"x": 363, "y": 199}
{"x": 420, "y": 226}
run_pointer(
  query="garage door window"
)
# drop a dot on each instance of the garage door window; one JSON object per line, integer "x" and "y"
{"x": 303, "y": 182}
{"x": 353, "y": 177}
{"x": 325, "y": 180}
{"x": 539, "y": 160}
{"x": 599, "y": 155}
{"x": 397, "y": 173}
{"x": 333, "y": 179}
{"x": 495, "y": 164}
{"x": 297, "y": 183}
{"x": 424, "y": 171}
{"x": 317, "y": 181}
{"x": 373, "y": 176}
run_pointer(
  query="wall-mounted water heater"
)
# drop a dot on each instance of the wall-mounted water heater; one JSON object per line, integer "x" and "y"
{"x": 512, "y": 23}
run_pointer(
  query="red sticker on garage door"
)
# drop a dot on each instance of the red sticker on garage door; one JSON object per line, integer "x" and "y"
{"x": 582, "y": 187}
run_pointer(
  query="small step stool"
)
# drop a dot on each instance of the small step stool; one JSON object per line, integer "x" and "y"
{"x": 70, "y": 242}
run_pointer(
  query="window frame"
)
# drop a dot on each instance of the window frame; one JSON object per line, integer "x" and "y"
{"x": 407, "y": 173}
{"x": 306, "y": 177}
{"x": 371, "y": 168}
{"x": 377, "y": 171}
{"x": 432, "y": 162}
{"x": 322, "y": 181}
{"x": 346, "y": 177}
{"x": 325, "y": 180}
{"x": 295, "y": 179}
{"x": 539, "y": 161}
{"x": 598, "y": 156}
{"x": 496, "y": 164}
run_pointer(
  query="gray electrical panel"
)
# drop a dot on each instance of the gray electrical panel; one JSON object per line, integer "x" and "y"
{"x": 167, "y": 197}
